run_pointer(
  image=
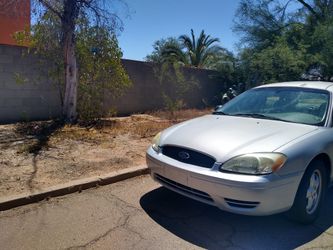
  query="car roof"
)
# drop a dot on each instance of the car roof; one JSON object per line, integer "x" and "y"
{"x": 302, "y": 84}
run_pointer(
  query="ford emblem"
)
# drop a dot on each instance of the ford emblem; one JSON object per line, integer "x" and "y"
{"x": 184, "y": 155}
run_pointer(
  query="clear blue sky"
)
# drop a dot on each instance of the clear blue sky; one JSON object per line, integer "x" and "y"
{"x": 151, "y": 20}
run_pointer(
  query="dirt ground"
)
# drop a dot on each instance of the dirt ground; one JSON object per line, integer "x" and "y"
{"x": 37, "y": 155}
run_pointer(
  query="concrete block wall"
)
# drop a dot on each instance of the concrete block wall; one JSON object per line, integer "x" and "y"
{"x": 146, "y": 94}
{"x": 25, "y": 92}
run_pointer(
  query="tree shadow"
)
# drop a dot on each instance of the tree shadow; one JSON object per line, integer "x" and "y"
{"x": 41, "y": 132}
{"x": 208, "y": 227}
{"x": 97, "y": 123}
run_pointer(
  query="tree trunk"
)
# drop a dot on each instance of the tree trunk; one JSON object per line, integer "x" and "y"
{"x": 70, "y": 99}
{"x": 71, "y": 11}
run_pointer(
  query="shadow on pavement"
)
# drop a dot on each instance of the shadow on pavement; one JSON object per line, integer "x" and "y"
{"x": 208, "y": 227}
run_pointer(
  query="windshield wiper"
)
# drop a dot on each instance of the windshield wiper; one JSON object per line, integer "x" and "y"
{"x": 219, "y": 113}
{"x": 256, "y": 115}
{"x": 253, "y": 115}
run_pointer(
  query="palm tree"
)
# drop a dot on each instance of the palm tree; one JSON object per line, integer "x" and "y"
{"x": 199, "y": 50}
{"x": 189, "y": 51}
{"x": 168, "y": 51}
{"x": 175, "y": 53}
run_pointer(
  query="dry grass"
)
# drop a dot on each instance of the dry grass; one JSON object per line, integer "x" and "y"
{"x": 180, "y": 114}
{"x": 40, "y": 154}
{"x": 137, "y": 126}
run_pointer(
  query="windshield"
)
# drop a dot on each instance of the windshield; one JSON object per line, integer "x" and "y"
{"x": 290, "y": 104}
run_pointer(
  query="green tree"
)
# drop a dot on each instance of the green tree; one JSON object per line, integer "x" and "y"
{"x": 98, "y": 61}
{"x": 285, "y": 40}
{"x": 68, "y": 12}
{"x": 259, "y": 22}
{"x": 200, "y": 52}
{"x": 175, "y": 84}
{"x": 323, "y": 46}
{"x": 276, "y": 63}
{"x": 318, "y": 22}
{"x": 100, "y": 71}
{"x": 168, "y": 50}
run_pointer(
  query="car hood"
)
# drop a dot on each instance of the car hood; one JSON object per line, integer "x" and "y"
{"x": 224, "y": 137}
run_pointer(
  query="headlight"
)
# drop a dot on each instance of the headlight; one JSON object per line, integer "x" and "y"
{"x": 156, "y": 142}
{"x": 257, "y": 163}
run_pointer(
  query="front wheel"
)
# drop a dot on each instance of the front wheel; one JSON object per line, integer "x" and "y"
{"x": 310, "y": 194}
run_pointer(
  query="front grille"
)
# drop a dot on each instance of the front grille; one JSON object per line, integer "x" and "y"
{"x": 188, "y": 156}
{"x": 241, "y": 204}
{"x": 184, "y": 189}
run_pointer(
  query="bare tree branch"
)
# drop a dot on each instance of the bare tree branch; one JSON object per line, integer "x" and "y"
{"x": 309, "y": 8}
{"x": 51, "y": 8}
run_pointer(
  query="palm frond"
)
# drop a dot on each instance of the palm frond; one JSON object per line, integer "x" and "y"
{"x": 200, "y": 48}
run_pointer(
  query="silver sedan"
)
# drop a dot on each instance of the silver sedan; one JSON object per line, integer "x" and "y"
{"x": 267, "y": 151}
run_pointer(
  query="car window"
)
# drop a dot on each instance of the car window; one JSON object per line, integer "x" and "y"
{"x": 300, "y": 105}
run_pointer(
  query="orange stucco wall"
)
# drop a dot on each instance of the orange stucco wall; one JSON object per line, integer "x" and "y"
{"x": 14, "y": 16}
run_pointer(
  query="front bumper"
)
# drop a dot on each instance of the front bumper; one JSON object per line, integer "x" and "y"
{"x": 237, "y": 193}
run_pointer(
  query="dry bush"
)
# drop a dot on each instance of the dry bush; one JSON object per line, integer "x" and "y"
{"x": 150, "y": 129}
{"x": 183, "y": 114}
{"x": 48, "y": 133}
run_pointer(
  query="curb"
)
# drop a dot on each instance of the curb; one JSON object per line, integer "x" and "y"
{"x": 71, "y": 187}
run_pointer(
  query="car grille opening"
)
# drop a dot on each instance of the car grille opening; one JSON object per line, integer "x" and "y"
{"x": 188, "y": 156}
{"x": 184, "y": 189}
{"x": 241, "y": 204}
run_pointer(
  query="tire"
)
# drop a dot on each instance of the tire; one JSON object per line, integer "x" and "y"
{"x": 310, "y": 194}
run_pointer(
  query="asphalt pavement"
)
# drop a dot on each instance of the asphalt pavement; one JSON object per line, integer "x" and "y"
{"x": 139, "y": 214}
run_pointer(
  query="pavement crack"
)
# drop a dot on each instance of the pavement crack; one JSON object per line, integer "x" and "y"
{"x": 100, "y": 237}
{"x": 127, "y": 205}
{"x": 127, "y": 210}
{"x": 124, "y": 225}
{"x": 117, "y": 199}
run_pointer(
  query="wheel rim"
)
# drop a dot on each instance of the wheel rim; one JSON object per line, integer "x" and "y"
{"x": 314, "y": 192}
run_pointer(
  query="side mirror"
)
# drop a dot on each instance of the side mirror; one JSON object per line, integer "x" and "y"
{"x": 218, "y": 107}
